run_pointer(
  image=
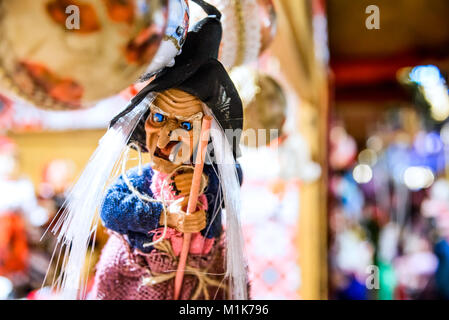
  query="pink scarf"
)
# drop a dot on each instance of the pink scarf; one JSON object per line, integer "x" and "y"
{"x": 199, "y": 244}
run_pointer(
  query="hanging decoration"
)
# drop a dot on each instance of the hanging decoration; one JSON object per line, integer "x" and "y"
{"x": 68, "y": 54}
{"x": 265, "y": 106}
{"x": 249, "y": 27}
{"x": 145, "y": 208}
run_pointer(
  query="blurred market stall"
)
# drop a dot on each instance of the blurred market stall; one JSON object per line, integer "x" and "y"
{"x": 388, "y": 157}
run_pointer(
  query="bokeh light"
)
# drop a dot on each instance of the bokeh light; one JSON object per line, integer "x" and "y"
{"x": 416, "y": 178}
{"x": 362, "y": 173}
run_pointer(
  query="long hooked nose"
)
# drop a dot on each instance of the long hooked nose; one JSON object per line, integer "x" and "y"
{"x": 166, "y": 131}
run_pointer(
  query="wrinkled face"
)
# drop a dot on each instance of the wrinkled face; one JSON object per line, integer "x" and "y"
{"x": 173, "y": 129}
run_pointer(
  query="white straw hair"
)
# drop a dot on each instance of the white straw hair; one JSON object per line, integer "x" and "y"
{"x": 236, "y": 267}
{"x": 76, "y": 226}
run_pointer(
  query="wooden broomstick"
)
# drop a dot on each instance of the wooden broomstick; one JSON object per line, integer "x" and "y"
{"x": 191, "y": 206}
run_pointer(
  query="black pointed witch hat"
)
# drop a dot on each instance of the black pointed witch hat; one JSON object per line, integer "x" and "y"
{"x": 198, "y": 72}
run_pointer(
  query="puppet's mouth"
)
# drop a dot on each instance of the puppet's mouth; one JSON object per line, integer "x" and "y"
{"x": 165, "y": 152}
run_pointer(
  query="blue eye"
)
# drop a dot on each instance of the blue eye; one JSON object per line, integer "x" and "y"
{"x": 186, "y": 126}
{"x": 158, "y": 117}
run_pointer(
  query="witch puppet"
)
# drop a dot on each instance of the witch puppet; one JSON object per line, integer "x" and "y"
{"x": 148, "y": 209}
